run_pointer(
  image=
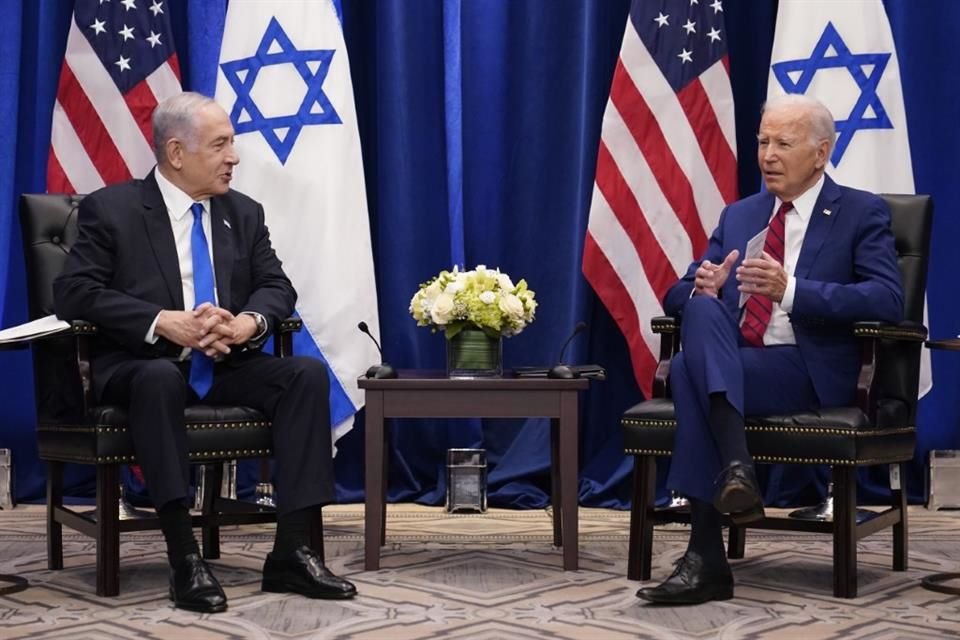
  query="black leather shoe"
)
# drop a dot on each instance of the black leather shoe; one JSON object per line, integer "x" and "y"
{"x": 303, "y": 572}
{"x": 738, "y": 493}
{"x": 691, "y": 583}
{"x": 193, "y": 586}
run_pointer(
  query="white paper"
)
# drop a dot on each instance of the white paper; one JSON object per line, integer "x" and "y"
{"x": 33, "y": 329}
{"x": 754, "y": 250}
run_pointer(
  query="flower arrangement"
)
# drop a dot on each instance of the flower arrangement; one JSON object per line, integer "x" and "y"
{"x": 482, "y": 298}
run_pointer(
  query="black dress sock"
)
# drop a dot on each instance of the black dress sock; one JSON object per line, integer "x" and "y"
{"x": 177, "y": 531}
{"x": 293, "y": 530}
{"x": 706, "y": 534}
{"x": 726, "y": 424}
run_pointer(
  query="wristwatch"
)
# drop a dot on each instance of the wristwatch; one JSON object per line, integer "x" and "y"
{"x": 261, "y": 325}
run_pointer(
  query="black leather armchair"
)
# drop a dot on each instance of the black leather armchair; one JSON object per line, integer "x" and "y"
{"x": 880, "y": 429}
{"x": 73, "y": 428}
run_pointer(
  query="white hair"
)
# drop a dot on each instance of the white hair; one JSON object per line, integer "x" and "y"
{"x": 822, "y": 126}
{"x": 174, "y": 118}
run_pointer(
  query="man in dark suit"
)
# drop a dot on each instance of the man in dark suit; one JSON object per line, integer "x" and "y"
{"x": 182, "y": 321}
{"x": 809, "y": 257}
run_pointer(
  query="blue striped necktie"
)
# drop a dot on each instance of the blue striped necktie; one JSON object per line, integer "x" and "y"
{"x": 201, "y": 366}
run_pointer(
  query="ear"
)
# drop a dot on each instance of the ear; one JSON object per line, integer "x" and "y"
{"x": 823, "y": 149}
{"x": 174, "y": 151}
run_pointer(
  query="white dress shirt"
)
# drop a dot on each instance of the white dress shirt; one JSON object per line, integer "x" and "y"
{"x": 780, "y": 331}
{"x": 181, "y": 222}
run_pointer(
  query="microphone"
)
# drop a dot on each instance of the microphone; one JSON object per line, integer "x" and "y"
{"x": 382, "y": 370}
{"x": 561, "y": 370}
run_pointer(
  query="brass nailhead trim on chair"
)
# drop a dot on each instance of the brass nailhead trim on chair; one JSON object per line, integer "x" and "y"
{"x": 770, "y": 459}
{"x": 652, "y": 424}
{"x": 890, "y": 333}
{"x": 830, "y": 430}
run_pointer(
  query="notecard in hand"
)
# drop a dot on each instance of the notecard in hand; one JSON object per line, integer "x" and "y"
{"x": 754, "y": 250}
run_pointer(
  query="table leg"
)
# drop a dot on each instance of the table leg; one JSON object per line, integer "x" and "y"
{"x": 569, "y": 474}
{"x": 374, "y": 524}
{"x": 555, "y": 481}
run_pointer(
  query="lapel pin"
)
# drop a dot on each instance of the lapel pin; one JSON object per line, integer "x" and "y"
{"x": 227, "y": 223}
{"x": 826, "y": 212}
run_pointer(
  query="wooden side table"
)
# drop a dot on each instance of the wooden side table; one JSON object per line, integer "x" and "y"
{"x": 430, "y": 394}
{"x": 940, "y": 581}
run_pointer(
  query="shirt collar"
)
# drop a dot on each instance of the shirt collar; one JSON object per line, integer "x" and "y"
{"x": 806, "y": 201}
{"x": 177, "y": 201}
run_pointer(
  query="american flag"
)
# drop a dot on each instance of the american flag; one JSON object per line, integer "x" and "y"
{"x": 666, "y": 164}
{"x": 120, "y": 62}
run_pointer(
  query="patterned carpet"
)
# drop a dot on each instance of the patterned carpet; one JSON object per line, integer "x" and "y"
{"x": 485, "y": 577}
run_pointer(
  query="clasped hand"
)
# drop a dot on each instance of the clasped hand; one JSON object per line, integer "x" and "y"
{"x": 757, "y": 276}
{"x": 208, "y": 328}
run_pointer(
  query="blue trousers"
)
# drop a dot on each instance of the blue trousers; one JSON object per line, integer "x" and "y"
{"x": 755, "y": 381}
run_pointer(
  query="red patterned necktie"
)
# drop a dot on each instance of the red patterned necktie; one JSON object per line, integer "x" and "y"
{"x": 758, "y": 309}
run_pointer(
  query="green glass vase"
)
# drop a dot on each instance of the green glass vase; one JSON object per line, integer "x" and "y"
{"x": 473, "y": 354}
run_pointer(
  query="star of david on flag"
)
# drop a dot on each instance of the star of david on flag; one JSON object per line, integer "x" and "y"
{"x": 866, "y": 69}
{"x": 280, "y": 132}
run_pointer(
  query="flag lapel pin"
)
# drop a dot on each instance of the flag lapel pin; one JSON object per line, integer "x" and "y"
{"x": 227, "y": 223}
{"x": 826, "y": 212}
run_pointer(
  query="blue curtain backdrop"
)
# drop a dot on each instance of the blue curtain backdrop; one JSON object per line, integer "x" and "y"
{"x": 479, "y": 121}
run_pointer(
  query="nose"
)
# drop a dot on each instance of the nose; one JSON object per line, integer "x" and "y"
{"x": 233, "y": 157}
{"x": 769, "y": 154}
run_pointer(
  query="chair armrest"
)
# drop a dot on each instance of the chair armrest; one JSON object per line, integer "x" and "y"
{"x": 875, "y": 339}
{"x": 76, "y": 328}
{"x": 664, "y": 324}
{"x": 283, "y": 340}
{"x": 668, "y": 328}
{"x": 908, "y": 331}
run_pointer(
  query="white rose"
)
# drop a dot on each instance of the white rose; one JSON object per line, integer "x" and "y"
{"x": 433, "y": 290}
{"x": 454, "y": 287}
{"x": 442, "y": 311}
{"x": 487, "y": 297}
{"x": 511, "y": 305}
{"x": 505, "y": 282}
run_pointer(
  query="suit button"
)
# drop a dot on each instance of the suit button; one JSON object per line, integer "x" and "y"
{"x": 55, "y": 240}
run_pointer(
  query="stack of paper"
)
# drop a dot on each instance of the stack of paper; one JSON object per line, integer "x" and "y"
{"x": 33, "y": 329}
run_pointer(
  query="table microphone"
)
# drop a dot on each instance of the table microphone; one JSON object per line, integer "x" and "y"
{"x": 382, "y": 370}
{"x": 560, "y": 370}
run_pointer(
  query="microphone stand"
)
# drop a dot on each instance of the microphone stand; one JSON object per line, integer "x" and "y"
{"x": 823, "y": 512}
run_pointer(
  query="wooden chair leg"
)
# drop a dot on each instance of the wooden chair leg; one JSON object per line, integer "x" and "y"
{"x": 210, "y": 529}
{"x": 737, "y": 543}
{"x": 844, "y": 532}
{"x": 900, "y": 530}
{"x": 316, "y": 535}
{"x": 640, "y": 549}
{"x": 555, "y": 483}
{"x": 54, "y": 528}
{"x": 108, "y": 530}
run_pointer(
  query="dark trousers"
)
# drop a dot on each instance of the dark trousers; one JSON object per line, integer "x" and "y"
{"x": 292, "y": 392}
{"x": 755, "y": 381}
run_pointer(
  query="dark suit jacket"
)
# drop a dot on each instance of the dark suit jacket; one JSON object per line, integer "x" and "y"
{"x": 847, "y": 271}
{"x": 123, "y": 269}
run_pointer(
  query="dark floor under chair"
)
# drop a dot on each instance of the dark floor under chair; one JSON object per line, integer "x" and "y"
{"x": 879, "y": 430}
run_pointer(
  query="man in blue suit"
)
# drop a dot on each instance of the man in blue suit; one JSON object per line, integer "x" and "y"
{"x": 809, "y": 257}
{"x": 182, "y": 320}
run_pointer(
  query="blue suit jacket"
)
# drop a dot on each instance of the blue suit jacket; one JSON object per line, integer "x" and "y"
{"x": 847, "y": 271}
{"x": 123, "y": 269}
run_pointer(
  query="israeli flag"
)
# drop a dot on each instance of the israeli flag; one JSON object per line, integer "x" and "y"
{"x": 842, "y": 53}
{"x": 284, "y": 79}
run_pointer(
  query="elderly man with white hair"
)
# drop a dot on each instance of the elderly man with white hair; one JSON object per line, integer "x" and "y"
{"x": 766, "y": 316}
